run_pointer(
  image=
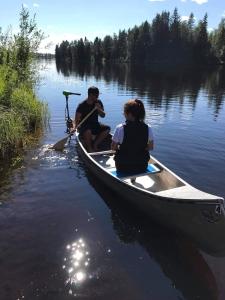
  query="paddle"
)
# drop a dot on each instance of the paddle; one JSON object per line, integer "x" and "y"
{"x": 59, "y": 146}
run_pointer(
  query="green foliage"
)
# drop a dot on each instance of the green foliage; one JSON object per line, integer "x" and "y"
{"x": 32, "y": 111}
{"x": 21, "y": 113}
{"x": 8, "y": 81}
{"x": 11, "y": 132}
{"x": 18, "y": 51}
{"x": 167, "y": 39}
{"x": 218, "y": 41}
{"x": 107, "y": 47}
{"x": 97, "y": 50}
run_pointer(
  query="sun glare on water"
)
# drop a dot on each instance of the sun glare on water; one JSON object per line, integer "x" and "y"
{"x": 76, "y": 263}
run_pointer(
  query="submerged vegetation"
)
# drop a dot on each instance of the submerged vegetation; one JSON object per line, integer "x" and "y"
{"x": 167, "y": 40}
{"x": 21, "y": 113}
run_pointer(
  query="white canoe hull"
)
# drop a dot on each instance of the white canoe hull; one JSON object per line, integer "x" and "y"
{"x": 201, "y": 217}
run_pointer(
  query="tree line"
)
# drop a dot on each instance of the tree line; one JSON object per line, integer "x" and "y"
{"x": 167, "y": 39}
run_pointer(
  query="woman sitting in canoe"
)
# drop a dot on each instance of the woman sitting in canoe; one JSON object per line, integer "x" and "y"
{"x": 133, "y": 140}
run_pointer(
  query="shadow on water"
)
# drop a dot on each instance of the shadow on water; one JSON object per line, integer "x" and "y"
{"x": 177, "y": 257}
{"x": 161, "y": 86}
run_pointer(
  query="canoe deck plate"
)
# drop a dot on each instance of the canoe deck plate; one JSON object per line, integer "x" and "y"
{"x": 150, "y": 170}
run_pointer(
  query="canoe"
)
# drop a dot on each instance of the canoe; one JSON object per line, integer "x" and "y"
{"x": 164, "y": 197}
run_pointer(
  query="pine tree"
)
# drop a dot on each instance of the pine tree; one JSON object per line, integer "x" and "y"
{"x": 107, "y": 47}
{"x": 97, "y": 50}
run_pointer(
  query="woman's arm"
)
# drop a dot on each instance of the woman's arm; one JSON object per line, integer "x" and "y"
{"x": 114, "y": 146}
{"x": 117, "y": 138}
{"x": 150, "y": 145}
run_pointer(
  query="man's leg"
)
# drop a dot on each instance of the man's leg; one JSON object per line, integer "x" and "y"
{"x": 100, "y": 137}
{"x": 87, "y": 137}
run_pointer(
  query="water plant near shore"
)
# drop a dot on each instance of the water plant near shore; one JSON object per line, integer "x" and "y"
{"x": 21, "y": 112}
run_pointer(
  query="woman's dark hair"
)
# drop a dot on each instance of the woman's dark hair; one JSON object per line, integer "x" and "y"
{"x": 136, "y": 109}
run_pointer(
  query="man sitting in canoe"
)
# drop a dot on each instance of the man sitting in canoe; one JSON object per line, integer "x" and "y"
{"x": 133, "y": 140}
{"x": 91, "y": 126}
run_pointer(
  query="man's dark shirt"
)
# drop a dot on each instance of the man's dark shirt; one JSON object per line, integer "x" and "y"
{"x": 84, "y": 108}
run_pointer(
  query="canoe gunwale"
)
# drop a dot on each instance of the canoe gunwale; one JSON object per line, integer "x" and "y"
{"x": 216, "y": 201}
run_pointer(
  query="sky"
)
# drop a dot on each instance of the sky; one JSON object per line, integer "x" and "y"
{"x": 73, "y": 19}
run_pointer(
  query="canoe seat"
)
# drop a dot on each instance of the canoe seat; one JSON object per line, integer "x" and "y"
{"x": 150, "y": 170}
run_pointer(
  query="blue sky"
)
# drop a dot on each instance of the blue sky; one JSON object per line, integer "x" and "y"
{"x": 72, "y": 19}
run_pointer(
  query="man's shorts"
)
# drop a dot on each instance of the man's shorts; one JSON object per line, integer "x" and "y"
{"x": 96, "y": 129}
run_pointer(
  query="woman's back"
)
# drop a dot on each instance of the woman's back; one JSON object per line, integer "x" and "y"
{"x": 135, "y": 139}
{"x": 131, "y": 139}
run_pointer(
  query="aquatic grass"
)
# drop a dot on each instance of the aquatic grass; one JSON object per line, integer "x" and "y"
{"x": 22, "y": 114}
{"x": 11, "y": 132}
{"x": 2, "y": 84}
{"x": 33, "y": 112}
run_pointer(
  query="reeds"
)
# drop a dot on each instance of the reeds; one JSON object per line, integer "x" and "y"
{"x": 32, "y": 111}
{"x": 21, "y": 112}
{"x": 11, "y": 132}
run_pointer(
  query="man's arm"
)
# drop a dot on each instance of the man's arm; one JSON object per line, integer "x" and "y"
{"x": 100, "y": 110}
{"x": 77, "y": 119}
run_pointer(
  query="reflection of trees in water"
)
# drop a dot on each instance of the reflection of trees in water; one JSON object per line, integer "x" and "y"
{"x": 215, "y": 86}
{"x": 162, "y": 87}
{"x": 177, "y": 257}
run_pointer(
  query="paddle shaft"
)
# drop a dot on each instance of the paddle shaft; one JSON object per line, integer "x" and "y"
{"x": 60, "y": 144}
{"x": 82, "y": 121}
{"x": 86, "y": 117}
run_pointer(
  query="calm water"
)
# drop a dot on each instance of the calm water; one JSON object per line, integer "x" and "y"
{"x": 63, "y": 235}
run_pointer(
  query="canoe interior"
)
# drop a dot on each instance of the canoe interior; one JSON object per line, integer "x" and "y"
{"x": 164, "y": 183}
{"x": 158, "y": 182}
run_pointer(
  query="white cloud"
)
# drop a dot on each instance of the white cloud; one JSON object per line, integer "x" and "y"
{"x": 184, "y": 18}
{"x": 36, "y": 5}
{"x": 157, "y": 0}
{"x": 223, "y": 15}
{"x": 200, "y": 1}
{"x": 25, "y": 5}
{"x": 183, "y": 0}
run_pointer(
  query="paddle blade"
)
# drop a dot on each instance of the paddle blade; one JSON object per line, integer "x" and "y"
{"x": 59, "y": 146}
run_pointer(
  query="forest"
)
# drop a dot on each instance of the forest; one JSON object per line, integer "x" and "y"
{"x": 166, "y": 40}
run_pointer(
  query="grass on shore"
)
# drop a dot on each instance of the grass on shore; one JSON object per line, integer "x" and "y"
{"x": 21, "y": 113}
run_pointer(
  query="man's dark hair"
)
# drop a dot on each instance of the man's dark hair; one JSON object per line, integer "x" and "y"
{"x": 93, "y": 90}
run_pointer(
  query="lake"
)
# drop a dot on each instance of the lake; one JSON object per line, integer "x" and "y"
{"x": 64, "y": 235}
